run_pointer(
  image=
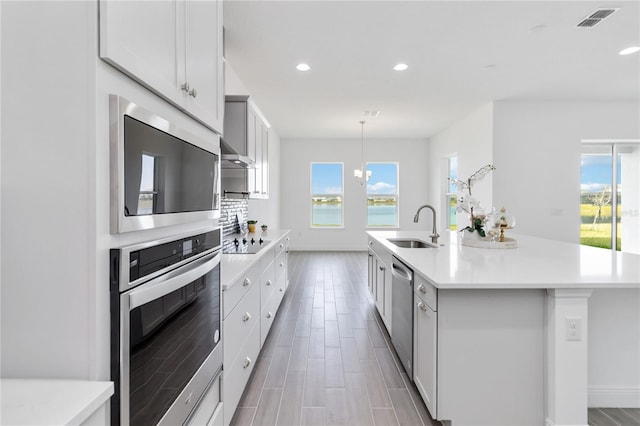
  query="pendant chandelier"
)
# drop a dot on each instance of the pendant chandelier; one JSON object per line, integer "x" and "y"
{"x": 359, "y": 173}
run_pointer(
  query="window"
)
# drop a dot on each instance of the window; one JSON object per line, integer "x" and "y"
{"x": 326, "y": 195}
{"x": 148, "y": 195}
{"x": 382, "y": 194}
{"x": 610, "y": 182}
{"x": 451, "y": 194}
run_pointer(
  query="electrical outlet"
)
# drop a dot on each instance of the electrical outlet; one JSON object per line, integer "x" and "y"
{"x": 573, "y": 328}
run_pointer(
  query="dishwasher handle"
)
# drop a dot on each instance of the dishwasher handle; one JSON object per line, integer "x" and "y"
{"x": 401, "y": 272}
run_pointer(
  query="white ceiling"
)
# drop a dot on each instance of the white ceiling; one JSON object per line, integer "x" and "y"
{"x": 535, "y": 48}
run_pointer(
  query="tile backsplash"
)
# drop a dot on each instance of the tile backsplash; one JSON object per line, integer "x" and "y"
{"x": 232, "y": 207}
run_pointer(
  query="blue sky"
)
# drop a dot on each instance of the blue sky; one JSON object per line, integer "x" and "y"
{"x": 384, "y": 178}
{"x": 326, "y": 178}
{"x": 595, "y": 172}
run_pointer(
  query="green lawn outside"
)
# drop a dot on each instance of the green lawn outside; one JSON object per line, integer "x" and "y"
{"x": 600, "y": 234}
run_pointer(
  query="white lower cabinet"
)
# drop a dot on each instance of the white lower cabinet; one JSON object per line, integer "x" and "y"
{"x": 237, "y": 374}
{"x": 267, "y": 291}
{"x": 379, "y": 284}
{"x": 250, "y": 306}
{"x": 425, "y": 340}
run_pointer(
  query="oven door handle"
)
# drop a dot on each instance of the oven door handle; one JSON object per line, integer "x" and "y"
{"x": 173, "y": 280}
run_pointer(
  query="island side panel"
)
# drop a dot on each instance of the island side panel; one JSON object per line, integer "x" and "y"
{"x": 491, "y": 356}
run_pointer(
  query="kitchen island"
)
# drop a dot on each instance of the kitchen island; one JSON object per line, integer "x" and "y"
{"x": 500, "y": 335}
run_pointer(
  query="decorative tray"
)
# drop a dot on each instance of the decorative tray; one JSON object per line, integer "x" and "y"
{"x": 508, "y": 243}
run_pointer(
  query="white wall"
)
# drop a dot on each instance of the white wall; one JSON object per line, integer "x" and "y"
{"x": 471, "y": 139}
{"x": 296, "y": 158}
{"x": 536, "y": 150}
{"x": 46, "y": 143}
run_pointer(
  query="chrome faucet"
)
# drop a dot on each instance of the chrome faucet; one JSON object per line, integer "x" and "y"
{"x": 434, "y": 234}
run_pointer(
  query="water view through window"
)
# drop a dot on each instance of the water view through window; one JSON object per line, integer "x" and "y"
{"x": 326, "y": 194}
{"x": 382, "y": 194}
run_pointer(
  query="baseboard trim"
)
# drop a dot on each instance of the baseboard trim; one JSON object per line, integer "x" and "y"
{"x": 614, "y": 396}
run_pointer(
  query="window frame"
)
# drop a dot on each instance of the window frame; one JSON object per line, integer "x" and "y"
{"x": 396, "y": 195}
{"x": 613, "y": 147}
{"x": 447, "y": 193}
{"x": 341, "y": 195}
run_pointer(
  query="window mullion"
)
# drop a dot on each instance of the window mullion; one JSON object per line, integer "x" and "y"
{"x": 614, "y": 197}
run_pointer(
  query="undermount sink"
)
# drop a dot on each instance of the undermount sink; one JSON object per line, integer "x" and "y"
{"x": 411, "y": 243}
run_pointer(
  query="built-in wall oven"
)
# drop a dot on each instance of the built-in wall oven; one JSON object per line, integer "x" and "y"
{"x": 165, "y": 327}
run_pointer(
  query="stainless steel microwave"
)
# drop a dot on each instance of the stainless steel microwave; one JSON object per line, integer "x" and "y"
{"x": 161, "y": 174}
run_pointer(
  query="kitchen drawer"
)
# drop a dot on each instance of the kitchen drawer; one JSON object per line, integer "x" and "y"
{"x": 267, "y": 284}
{"x": 236, "y": 376}
{"x": 426, "y": 291}
{"x": 209, "y": 408}
{"x": 268, "y": 314}
{"x": 380, "y": 250}
{"x": 239, "y": 323}
{"x": 282, "y": 245}
{"x": 232, "y": 295}
{"x": 281, "y": 266}
{"x": 267, "y": 259}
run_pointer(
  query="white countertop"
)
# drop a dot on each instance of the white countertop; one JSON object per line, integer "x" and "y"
{"x": 233, "y": 266}
{"x": 536, "y": 263}
{"x": 51, "y": 402}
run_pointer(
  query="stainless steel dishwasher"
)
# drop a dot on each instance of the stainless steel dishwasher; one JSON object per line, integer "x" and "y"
{"x": 402, "y": 314}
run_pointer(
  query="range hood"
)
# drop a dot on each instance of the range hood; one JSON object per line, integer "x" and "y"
{"x": 233, "y": 160}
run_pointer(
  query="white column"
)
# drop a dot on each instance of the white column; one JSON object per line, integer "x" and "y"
{"x": 566, "y": 357}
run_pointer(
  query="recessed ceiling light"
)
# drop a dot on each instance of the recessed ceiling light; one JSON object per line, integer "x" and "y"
{"x": 401, "y": 67}
{"x": 488, "y": 67}
{"x": 303, "y": 67}
{"x": 630, "y": 50}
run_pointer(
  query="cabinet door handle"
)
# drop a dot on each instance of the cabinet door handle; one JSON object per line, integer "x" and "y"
{"x": 247, "y": 362}
{"x": 268, "y": 282}
{"x": 269, "y": 315}
{"x": 246, "y": 317}
{"x": 422, "y": 306}
{"x": 370, "y": 243}
{"x": 193, "y": 93}
{"x": 422, "y": 288}
{"x": 381, "y": 268}
{"x": 281, "y": 245}
{"x": 185, "y": 87}
{"x": 246, "y": 282}
{"x": 281, "y": 289}
{"x": 281, "y": 264}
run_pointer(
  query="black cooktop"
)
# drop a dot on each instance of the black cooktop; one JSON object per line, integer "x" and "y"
{"x": 243, "y": 244}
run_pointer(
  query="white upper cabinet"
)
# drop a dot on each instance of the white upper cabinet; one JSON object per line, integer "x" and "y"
{"x": 247, "y": 134}
{"x": 173, "y": 47}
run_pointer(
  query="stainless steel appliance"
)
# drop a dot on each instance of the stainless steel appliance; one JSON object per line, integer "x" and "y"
{"x": 161, "y": 174}
{"x": 165, "y": 327}
{"x": 402, "y": 314}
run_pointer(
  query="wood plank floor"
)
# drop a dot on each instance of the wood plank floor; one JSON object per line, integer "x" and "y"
{"x": 328, "y": 359}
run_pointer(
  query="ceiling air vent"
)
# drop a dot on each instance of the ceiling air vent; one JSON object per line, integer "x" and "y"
{"x": 595, "y": 18}
{"x": 374, "y": 113}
